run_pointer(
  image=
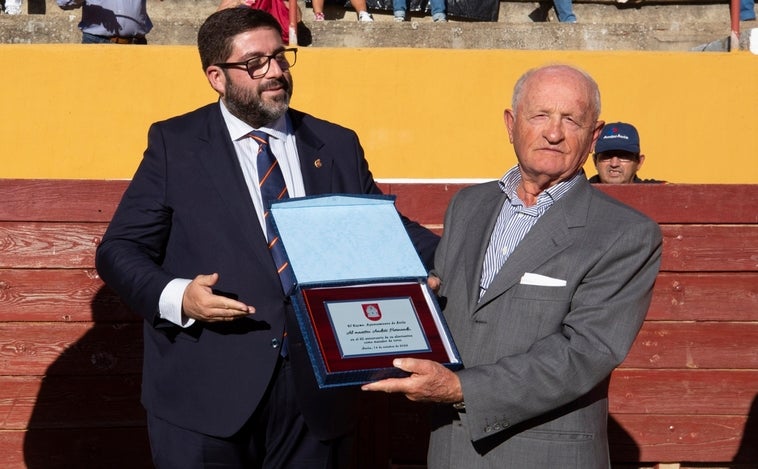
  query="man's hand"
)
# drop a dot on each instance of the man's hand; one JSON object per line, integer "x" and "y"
{"x": 433, "y": 282}
{"x": 200, "y": 303}
{"x": 429, "y": 382}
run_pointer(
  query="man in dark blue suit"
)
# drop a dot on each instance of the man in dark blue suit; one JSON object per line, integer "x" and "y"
{"x": 187, "y": 250}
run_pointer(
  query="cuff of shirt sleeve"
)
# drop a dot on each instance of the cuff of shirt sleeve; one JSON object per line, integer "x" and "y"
{"x": 170, "y": 303}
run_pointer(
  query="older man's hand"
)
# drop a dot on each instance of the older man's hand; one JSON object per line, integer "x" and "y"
{"x": 429, "y": 382}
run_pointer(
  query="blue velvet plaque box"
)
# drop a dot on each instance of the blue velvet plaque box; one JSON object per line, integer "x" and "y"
{"x": 361, "y": 297}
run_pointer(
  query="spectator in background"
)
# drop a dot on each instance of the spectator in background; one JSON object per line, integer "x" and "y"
{"x": 13, "y": 7}
{"x": 358, "y": 5}
{"x": 564, "y": 9}
{"x": 747, "y": 10}
{"x": 437, "y": 6}
{"x": 279, "y": 9}
{"x": 112, "y": 21}
{"x": 617, "y": 155}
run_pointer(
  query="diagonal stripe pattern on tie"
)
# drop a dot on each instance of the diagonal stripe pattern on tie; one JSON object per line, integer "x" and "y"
{"x": 272, "y": 186}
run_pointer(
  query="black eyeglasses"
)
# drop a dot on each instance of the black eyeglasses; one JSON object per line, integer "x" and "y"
{"x": 257, "y": 67}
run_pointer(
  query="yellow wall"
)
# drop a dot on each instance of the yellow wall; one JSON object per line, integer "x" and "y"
{"x": 79, "y": 111}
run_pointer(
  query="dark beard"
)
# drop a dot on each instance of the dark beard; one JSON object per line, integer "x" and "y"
{"x": 247, "y": 105}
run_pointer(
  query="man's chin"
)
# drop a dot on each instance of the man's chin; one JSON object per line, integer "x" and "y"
{"x": 277, "y": 103}
{"x": 278, "y": 111}
{"x": 615, "y": 179}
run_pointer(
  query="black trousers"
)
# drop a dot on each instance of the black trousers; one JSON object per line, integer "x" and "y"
{"x": 276, "y": 436}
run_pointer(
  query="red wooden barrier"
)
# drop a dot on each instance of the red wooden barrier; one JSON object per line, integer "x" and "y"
{"x": 70, "y": 352}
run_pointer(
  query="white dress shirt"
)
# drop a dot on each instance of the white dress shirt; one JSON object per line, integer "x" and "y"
{"x": 284, "y": 148}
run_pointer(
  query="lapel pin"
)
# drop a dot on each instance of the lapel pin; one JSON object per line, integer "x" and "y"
{"x": 317, "y": 163}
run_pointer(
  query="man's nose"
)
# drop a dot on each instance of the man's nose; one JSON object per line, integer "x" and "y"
{"x": 274, "y": 69}
{"x": 554, "y": 130}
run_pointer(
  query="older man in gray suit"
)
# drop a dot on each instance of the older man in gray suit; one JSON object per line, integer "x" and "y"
{"x": 545, "y": 282}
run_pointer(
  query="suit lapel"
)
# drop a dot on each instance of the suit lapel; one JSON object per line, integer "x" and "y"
{"x": 551, "y": 235}
{"x": 475, "y": 248}
{"x": 314, "y": 166}
{"x": 216, "y": 155}
{"x": 538, "y": 246}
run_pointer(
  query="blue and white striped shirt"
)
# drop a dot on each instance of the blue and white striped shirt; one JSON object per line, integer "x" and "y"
{"x": 515, "y": 221}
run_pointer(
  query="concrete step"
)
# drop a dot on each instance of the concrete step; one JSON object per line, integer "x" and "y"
{"x": 601, "y": 25}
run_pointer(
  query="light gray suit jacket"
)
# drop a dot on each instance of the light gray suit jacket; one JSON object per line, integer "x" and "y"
{"x": 537, "y": 358}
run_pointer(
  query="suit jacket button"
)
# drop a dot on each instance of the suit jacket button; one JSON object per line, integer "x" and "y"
{"x": 275, "y": 343}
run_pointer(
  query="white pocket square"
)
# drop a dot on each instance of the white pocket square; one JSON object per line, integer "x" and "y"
{"x": 541, "y": 280}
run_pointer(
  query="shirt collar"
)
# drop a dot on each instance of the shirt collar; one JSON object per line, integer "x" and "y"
{"x": 510, "y": 181}
{"x": 239, "y": 129}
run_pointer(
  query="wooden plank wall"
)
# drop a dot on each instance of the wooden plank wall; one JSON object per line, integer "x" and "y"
{"x": 70, "y": 352}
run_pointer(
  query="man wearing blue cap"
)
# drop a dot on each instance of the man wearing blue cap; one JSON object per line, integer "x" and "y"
{"x": 617, "y": 155}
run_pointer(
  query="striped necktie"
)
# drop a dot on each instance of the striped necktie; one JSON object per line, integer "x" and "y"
{"x": 272, "y": 186}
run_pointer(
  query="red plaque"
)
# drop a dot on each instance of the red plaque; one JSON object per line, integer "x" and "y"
{"x": 354, "y": 332}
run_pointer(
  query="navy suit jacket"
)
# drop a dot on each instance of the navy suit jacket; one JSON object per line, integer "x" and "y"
{"x": 188, "y": 211}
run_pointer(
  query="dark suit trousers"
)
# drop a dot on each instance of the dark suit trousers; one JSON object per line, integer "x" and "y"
{"x": 276, "y": 436}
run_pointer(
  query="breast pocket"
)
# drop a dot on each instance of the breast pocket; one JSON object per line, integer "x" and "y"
{"x": 542, "y": 308}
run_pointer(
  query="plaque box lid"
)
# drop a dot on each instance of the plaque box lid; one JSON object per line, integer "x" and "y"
{"x": 340, "y": 238}
{"x": 351, "y": 248}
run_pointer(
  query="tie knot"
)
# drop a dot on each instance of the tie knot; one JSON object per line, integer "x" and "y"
{"x": 259, "y": 136}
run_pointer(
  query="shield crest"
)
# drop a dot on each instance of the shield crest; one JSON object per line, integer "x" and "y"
{"x": 372, "y": 311}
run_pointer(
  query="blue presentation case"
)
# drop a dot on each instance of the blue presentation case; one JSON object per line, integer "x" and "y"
{"x": 361, "y": 297}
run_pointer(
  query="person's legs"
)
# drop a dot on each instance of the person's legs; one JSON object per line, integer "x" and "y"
{"x": 438, "y": 10}
{"x": 178, "y": 448}
{"x": 275, "y": 437}
{"x": 360, "y": 7}
{"x": 318, "y": 10}
{"x": 564, "y": 10}
{"x": 289, "y": 442}
{"x": 747, "y": 10}
{"x": 398, "y": 8}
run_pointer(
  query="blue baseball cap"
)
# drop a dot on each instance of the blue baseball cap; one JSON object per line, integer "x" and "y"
{"x": 618, "y": 136}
